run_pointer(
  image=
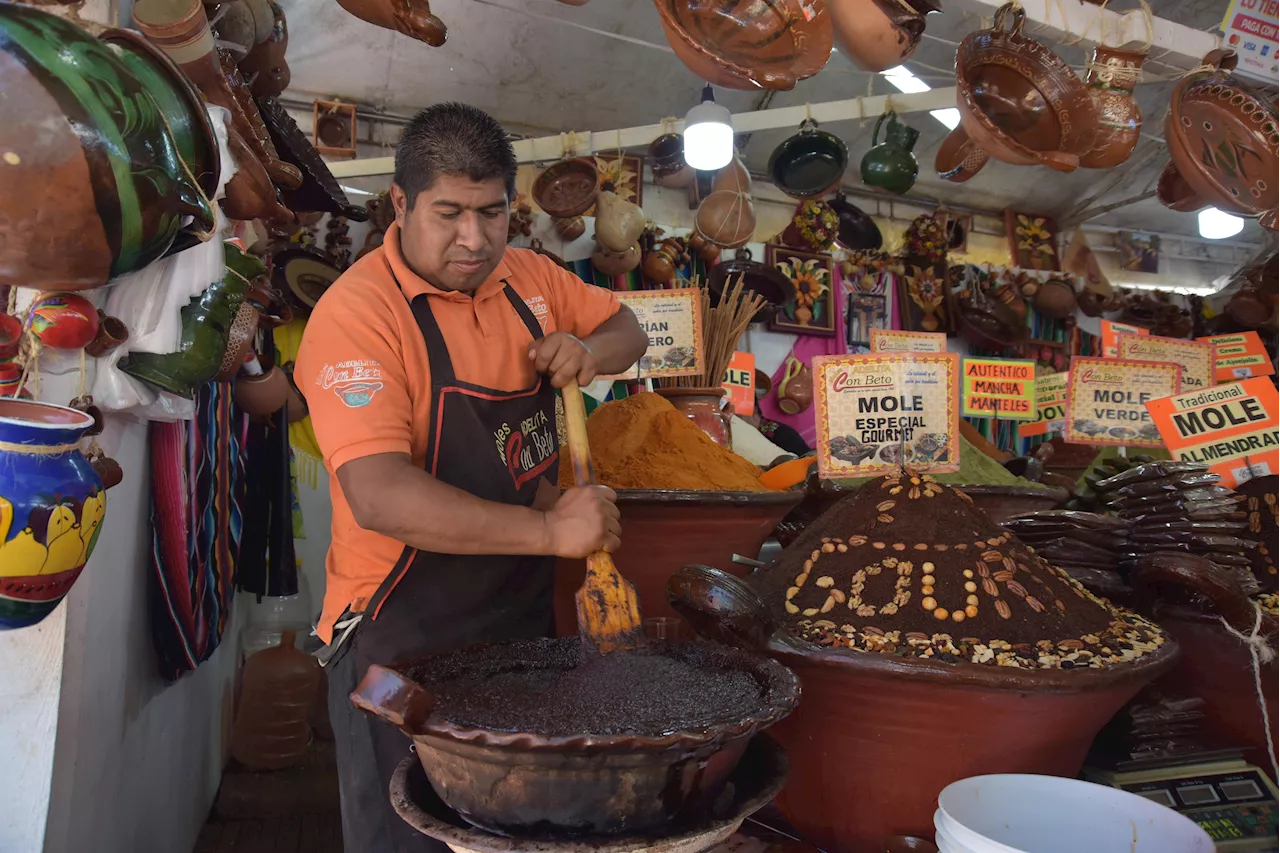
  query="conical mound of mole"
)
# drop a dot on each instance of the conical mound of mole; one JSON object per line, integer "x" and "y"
{"x": 907, "y": 566}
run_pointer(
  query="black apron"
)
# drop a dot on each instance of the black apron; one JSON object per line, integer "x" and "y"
{"x": 434, "y": 602}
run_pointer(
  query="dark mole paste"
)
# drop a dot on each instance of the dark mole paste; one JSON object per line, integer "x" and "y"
{"x": 541, "y": 687}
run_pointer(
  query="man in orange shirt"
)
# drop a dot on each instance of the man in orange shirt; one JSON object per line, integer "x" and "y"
{"x": 429, "y": 369}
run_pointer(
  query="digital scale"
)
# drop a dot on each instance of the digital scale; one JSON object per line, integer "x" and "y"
{"x": 1233, "y": 801}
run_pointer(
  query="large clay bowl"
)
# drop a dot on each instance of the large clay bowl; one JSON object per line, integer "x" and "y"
{"x": 758, "y": 278}
{"x": 568, "y": 188}
{"x": 809, "y": 164}
{"x": 857, "y": 231}
{"x": 1019, "y": 101}
{"x": 1175, "y": 193}
{"x": 664, "y": 530}
{"x": 1224, "y": 140}
{"x": 877, "y": 737}
{"x": 748, "y": 44}
{"x": 1215, "y": 665}
{"x": 519, "y": 782}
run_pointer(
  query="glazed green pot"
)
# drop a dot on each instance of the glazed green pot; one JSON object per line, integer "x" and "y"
{"x": 94, "y": 183}
{"x": 206, "y": 328}
{"x": 891, "y": 165}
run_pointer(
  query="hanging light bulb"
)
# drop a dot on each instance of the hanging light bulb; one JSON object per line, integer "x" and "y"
{"x": 708, "y": 134}
{"x": 1217, "y": 225}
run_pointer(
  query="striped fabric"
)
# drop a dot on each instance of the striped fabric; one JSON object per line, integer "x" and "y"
{"x": 197, "y": 489}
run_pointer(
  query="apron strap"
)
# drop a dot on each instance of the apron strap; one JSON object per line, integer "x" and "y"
{"x": 530, "y": 321}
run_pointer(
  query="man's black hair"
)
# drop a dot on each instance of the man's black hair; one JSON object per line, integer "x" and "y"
{"x": 453, "y": 139}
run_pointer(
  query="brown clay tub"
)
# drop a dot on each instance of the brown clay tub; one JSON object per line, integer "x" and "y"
{"x": 664, "y": 530}
{"x": 522, "y": 783}
{"x": 878, "y": 737}
{"x": 1215, "y": 665}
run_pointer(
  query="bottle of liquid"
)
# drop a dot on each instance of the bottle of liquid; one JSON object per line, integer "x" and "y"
{"x": 272, "y": 729}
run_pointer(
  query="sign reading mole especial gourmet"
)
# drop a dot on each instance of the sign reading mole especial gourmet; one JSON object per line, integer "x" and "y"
{"x": 1107, "y": 400}
{"x": 673, "y": 321}
{"x": 878, "y": 412}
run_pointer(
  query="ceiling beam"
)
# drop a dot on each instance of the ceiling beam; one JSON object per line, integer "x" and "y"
{"x": 1074, "y": 19}
{"x": 548, "y": 148}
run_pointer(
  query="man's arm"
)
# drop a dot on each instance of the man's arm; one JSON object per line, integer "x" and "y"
{"x": 614, "y": 346}
{"x": 388, "y": 494}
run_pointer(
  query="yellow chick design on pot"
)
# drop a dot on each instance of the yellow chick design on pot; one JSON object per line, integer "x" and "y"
{"x": 21, "y": 556}
{"x": 65, "y": 545}
{"x": 95, "y": 508}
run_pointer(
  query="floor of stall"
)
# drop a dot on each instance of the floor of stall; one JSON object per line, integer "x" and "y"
{"x": 286, "y": 811}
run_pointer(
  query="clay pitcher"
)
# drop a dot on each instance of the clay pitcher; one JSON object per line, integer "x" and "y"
{"x": 891, "y": 165}
{"x": 795, "y": 391}
{"x": 51, "y": 508}
{"x": 94, "y": 184}
{"x": 1112, "y": 76}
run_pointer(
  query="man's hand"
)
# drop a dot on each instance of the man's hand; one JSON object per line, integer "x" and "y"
{"x": 564, "y": 358}
{"x": 583, "y": 521}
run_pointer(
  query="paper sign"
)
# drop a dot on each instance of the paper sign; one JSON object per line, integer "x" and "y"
{"x": 1232, "y": 427}
{"x": 878, "y": 412}
{"x": 1051, "y": 405}
{"x": 1249, "y": 28}
{"x": 999, "y": 388}
{"x": 1111, "y": 331}
{"x": 1239, "y": 356}
{"x": 1195, "y": 358}
{"x": 893, "y": 340}
{"x": 740, "y": 383}
{"x": 673, "y": 321}
{"x": 1107, "y": 397}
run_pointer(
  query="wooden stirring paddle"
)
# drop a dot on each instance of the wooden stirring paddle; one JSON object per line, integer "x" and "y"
{"x": 608, "y": 610}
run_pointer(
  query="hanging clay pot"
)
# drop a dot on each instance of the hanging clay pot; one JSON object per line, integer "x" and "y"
{"x": 235, "y": 29}
{"x": 262, "y": 394}
{"x": 112, "y": 332}
{"x": 571, "y": 229}
{"x": 10, "y": 337}
{"x": 666, "y": 160}
{"x": 180, "y": 28}
{"x": 616, "y": 263}
{"x": 660, "y": 264}
{"x": 94, "y": 183}
{"x": 732, "y": 178}
{"x": 727, "y": 219}
{"x": 1113, "y": 74}
{"x": 239, "y": 346}
{"x": 51, "y": 508}
{"x": 64, "y": 320}
{"x": 263, "y": 19}
{"x": 958, "y": 158}
{"x": 890, "y": 165}
{"x": 619, "y": 223}
{"x": 412, "y": 18}
{"x": 265, "y": 67}
{"x": 207, "y": 322}
{"x": 795, "y": 391}
{"x": 250, "y": 193}
{"x": 879, "y": 34}
{"x": 703, "y": 248}
{"x": 1056, "y": 298}
{"x": 809, "y": 164}
{"x": 567, "y": 188}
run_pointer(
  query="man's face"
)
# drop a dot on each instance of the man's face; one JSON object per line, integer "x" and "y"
{"x": 456, "y": 232}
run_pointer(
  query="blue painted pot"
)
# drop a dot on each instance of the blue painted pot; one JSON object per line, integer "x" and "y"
{"x": 51, "y": 508}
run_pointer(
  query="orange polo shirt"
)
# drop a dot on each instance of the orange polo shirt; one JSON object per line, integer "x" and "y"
{"x": 364, "y": 370}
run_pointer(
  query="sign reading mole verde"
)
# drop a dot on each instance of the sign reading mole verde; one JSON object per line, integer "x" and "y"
{"x": 1231, "y": 427}
{"x": 876, "y": 413}
{"x": 1107, "y": 400}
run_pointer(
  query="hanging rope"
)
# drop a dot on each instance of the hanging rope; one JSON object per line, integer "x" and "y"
{"x": 1261, "y": 653}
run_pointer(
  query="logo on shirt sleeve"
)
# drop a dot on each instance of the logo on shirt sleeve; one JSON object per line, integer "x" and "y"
{"x": 355, "y": 382}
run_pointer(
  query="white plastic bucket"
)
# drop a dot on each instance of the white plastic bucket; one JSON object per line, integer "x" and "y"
{"x": 1015, "y": 813}
{"x": 943, "y": 838}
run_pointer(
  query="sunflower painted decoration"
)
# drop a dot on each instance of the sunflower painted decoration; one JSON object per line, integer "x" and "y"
{"x": 1033, "y": 240}
{"x": 810, "y": 308}
{"x": 624, "y": 173}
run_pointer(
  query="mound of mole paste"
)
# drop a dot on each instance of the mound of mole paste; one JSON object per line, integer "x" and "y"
{"x": 907, "y": 566}
{"x": 642, "y": 442}
{"x": 542, "y": 687}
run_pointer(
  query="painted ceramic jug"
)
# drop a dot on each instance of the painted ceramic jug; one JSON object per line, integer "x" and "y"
{"x": 51, "y": 508}
{"x": 207, "y": 322}
{"x": 1113, "y": 74}
{"x": 94, "y": 185}
{"x": 890, "y": 165}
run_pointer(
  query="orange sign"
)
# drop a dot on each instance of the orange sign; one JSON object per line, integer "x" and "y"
{"x": 740, "y": 383}
{"x": 1195, "y": 358}
{"x": 1239, "y": 356}
{"x": 894, "y": 340}
{"x": 1232, "y": 427}
{"x": 876, "y": 413}
{"x": 1107, "y": 400}
{"x": 1112, "y": 330}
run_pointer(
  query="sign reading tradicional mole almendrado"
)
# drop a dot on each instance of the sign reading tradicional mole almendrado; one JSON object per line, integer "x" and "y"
{"x": 876, "y": 413}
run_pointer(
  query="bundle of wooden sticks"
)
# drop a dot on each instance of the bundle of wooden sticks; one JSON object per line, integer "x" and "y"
{"x": 722, "y": 328}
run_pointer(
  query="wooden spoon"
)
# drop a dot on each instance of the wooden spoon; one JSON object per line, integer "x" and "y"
{"x": 608, "y": 610}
